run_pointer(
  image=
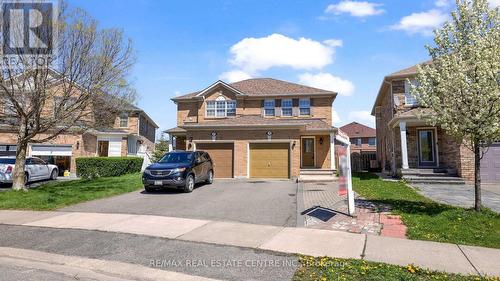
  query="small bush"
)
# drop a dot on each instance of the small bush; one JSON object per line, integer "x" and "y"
{"x": 94, "y": 167}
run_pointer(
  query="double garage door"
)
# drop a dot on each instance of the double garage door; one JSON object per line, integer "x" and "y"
{"x": 266, "y": 160}
{"x": 490, "y": 165}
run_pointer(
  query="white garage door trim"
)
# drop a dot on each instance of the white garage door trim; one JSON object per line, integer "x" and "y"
{"x": 51, "y": 150}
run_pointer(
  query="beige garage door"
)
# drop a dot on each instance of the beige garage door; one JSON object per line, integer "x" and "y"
{"x": 269, "y": 160}
{"x": 222, "y": 157}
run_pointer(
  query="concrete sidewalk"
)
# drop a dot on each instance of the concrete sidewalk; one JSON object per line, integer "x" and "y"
{"x": 315, "y": 242}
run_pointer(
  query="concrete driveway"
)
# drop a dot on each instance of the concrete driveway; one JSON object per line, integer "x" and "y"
{"x": 257, "y": 202}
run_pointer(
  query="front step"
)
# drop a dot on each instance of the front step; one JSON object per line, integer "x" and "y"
{"x": 431, "y": 176}
{"x": 317, "y": 175}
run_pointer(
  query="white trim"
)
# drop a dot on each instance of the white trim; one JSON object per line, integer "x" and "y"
{"x": 214, "y": 141}
{"x": 404, "y": 145}
{"x": 436, "y": 147}
{"x": 332, "y": 152}
{"x": 301, "y": 150}
{"x": 217, "y": 83}
{"x": 248, "y": 160}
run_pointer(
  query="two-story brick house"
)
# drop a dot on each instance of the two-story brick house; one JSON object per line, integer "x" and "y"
{"x": 132, "y": 133}
{"x": 363, "y": 145}
{"x": 406, "y": 142}
{"x": 258, "y": 128}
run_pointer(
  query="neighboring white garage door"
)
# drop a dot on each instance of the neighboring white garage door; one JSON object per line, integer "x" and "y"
{"x": 490, "y": 165}
{"x": 51, "y": 150}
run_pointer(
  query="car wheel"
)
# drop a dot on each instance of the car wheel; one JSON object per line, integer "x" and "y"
{"x": 210, "y": 177}
{"x": 189, "y": 185}
{"x": 26, "y": 179}
{"x": 53, "y": 175}
{"x": 148, "y": 188}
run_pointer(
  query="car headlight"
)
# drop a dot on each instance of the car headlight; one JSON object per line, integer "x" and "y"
{"x": 147, "y": 172}
{"x": 178, "y": 170}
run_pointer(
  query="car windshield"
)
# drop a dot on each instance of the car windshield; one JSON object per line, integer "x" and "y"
{"x": 11, "y": 161}
{"x": 177, "y": 157}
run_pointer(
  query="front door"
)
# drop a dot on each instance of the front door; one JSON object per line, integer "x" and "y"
{"x": 103, "y": 148}
{"x": 308, "y": 152}
{"x": 426, "y": 148}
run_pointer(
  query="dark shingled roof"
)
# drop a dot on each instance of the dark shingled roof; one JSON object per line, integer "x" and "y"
{"x": 257, "y": 120}
{"x": 268, "y": 87}
{"x": 357, "y": 130}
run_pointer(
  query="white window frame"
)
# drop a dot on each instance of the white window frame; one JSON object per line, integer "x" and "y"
{"x": 288, "y": 107}
{"x": 123, "y": 118}
{"x": 216, "y": 111}
{"x": 410, "y": 100}
{"x": 303, "y": 107}
{"x": 267, "y": 106}
{"x": 375, "y": 141}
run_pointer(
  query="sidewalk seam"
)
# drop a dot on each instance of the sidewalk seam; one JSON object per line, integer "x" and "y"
{"x": 194, "y": 229}
{"x": 270, "y": 238}
{"x": 465, "y": 255}
{"x": 364, "y": 247}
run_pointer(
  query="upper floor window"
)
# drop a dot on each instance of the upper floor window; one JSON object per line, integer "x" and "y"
{"x": 372, "y": 141}
{"x": 287, "y": 107}
{"x": 358, "y": 142}
{"x": 123, "y": 120}
{"x": 269, "y": 107}
{"x": 305, "y": 107}
{"x": 221, "y": 108}
{"x": 410, "y": 100}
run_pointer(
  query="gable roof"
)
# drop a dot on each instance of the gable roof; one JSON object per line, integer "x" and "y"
{"x": 357, "y": 130}
{"x": 401, "y": 74}
{"x": 263, "y": 87}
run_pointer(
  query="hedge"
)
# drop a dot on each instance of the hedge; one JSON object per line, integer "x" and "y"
{"x": 94, "y": 167}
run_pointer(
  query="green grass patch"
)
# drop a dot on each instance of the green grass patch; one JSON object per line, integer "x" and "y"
{"x": 56, "y": 195}
{"x": 428, "y": 220}
{"x": 323, "y": 269}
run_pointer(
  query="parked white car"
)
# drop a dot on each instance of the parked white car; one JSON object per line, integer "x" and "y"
{"x": 35, "y": 169}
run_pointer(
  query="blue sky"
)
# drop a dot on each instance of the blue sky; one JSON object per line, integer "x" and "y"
{"x": 348, "y": 46}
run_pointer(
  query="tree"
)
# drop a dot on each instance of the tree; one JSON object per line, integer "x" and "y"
{"x": 161, "y": 148}
{"x": 461, "y": 83}
{"x": 83, "y": 84}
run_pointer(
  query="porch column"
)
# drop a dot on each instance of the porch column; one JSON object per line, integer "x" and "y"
{"x": 404, "y": 146}
{"x": 332, "y": 152}
{"x": 171, "y": 142}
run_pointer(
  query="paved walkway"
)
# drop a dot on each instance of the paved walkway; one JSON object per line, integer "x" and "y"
{"x": 461, "y": 195}
{"x": 315, "y": 242}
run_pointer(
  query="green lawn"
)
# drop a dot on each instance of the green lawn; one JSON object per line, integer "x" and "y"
{"x": 428, "y": 220}
{"x": 56, "y": 195}
{"x": 319, "y": 269}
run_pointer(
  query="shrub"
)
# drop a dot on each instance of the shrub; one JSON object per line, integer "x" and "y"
{"x": 94, "y": 167}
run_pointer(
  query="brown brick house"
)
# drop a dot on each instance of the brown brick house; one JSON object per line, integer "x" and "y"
{"x": 132, "y": 133}
{"x": 405, "y": 141}
{"x": 363, "y": 145}
{"x": 258, "y": 128}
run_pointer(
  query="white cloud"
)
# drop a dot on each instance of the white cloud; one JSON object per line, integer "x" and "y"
{"x": 423, "y": 23}
{"x": 334, "y": 42}
{"x": 442, "y": 3}
{"x": 327, "y": 81}
{"x": 494, "y": 3}
{"x": 234, "y": 76}
{"x": 336, "y": 118}
{"x": 355, "y": 8}
{"x": 363, "y": 117}
{"x": 257, "y": 54}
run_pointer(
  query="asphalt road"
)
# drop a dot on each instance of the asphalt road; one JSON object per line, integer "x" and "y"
{"x": 256, "y": 202}
{"x": 200, "y": 259}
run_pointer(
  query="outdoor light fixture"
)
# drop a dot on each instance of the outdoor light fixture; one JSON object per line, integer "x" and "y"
{"x": 321, "y": 141}
{"x": 77, "y": 145}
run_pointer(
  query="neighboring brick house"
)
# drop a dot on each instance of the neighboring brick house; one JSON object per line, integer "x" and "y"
{"x": 133, "y": 132}
{"x": 363, "y": 145}
{"x": 258, "y": 128}
{"x": 405, "y": 141}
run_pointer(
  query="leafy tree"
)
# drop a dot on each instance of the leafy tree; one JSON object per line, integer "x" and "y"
{"x": 161, "y": 148}
{"x": 79, "y": 89}
{"x": 461, "y": 83}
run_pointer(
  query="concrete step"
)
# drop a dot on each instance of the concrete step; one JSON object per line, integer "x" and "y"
{"x": 317, "y": 172}
{"x": 458, "y": 181}
{"x": 429, "y": 172}
{"x": 317, "y": 178}
{"x": 431, "y": 178}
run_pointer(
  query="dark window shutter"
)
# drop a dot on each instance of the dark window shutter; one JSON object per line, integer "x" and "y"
{"x": 295, "y": 110}
{"x": 277, "y": 107}
{"x": 312, "y": 107}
